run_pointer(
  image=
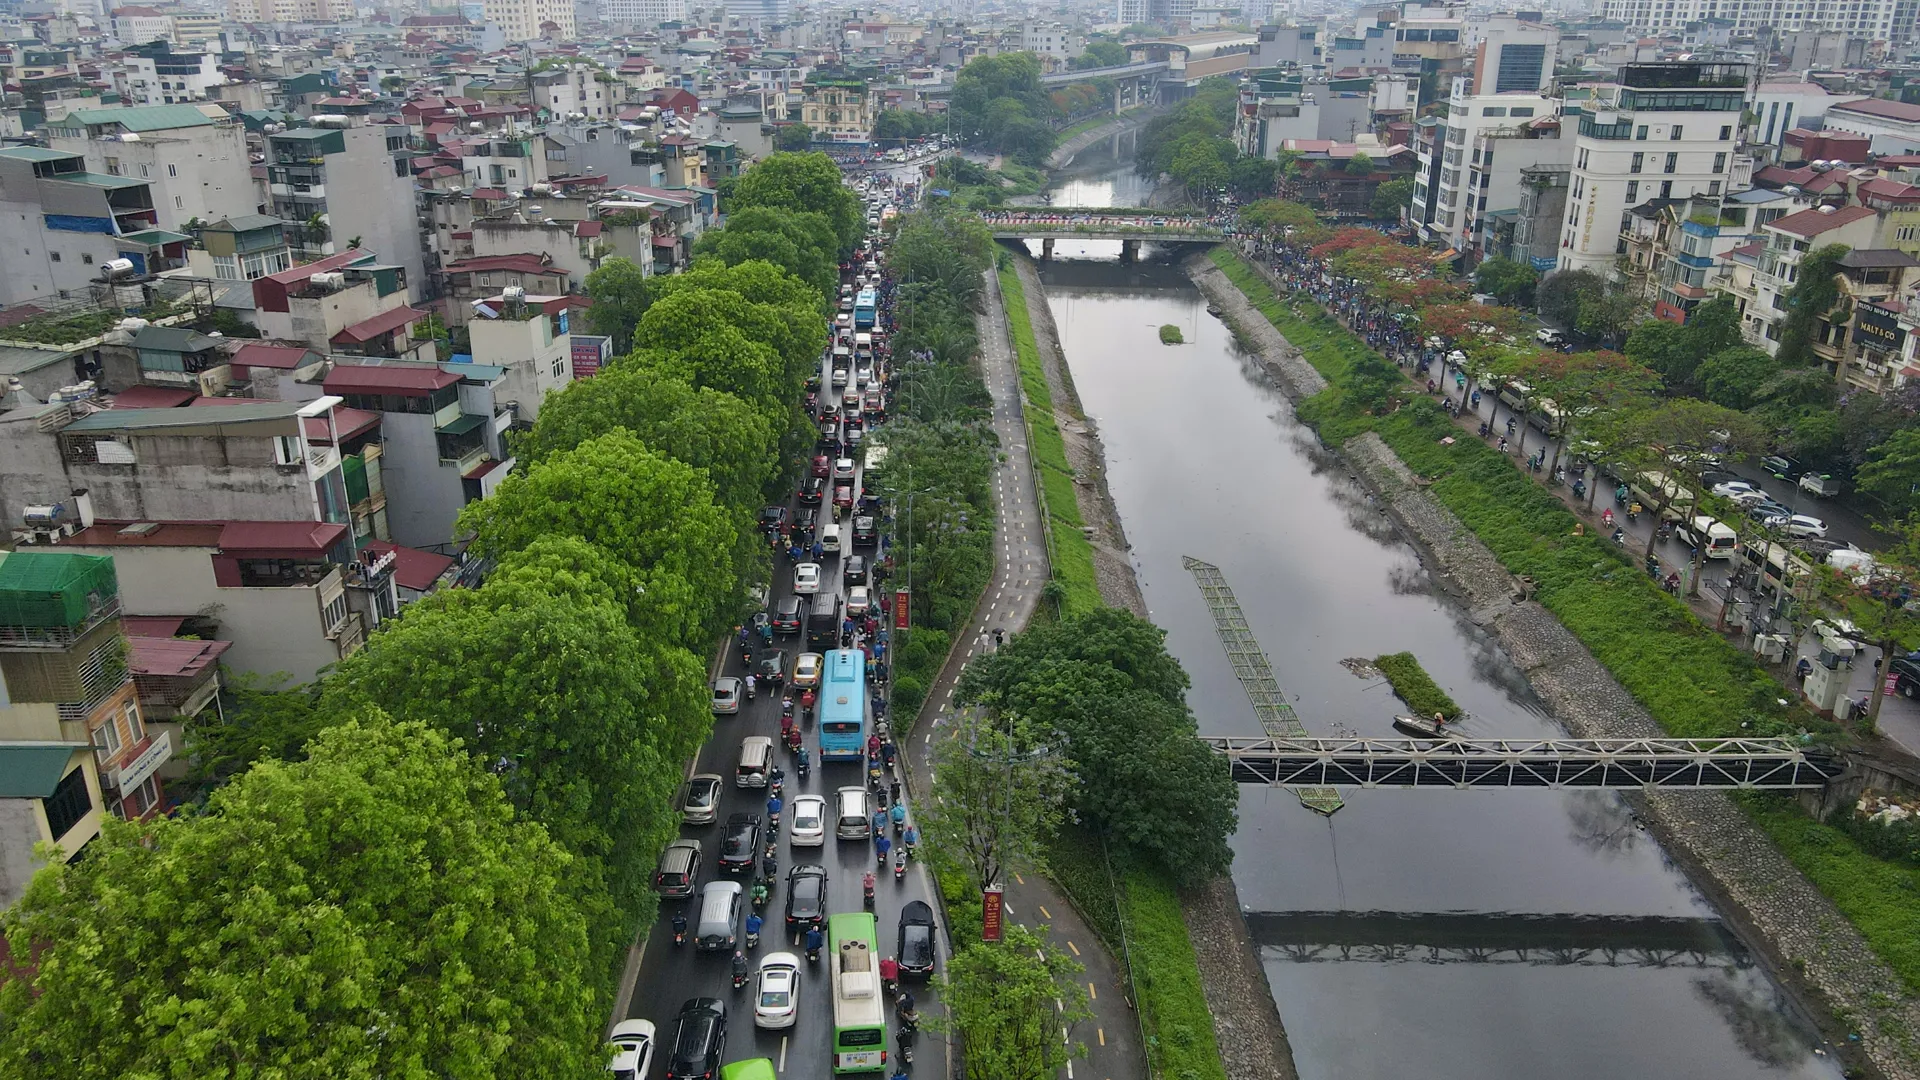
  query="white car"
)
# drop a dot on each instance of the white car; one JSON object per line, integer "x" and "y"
{"x": 806, "y": 579}
{"x": 858, "y": 601}
{"x": 1798, "y": 525}
{"x": 775, "y": 1002}
{"x": 809, "y": 827}
{"x": 632, "y": 1043}
{"x": 1735, "y": 489}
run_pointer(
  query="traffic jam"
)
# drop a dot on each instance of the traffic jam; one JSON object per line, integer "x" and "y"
{"x": 797, "y": 932}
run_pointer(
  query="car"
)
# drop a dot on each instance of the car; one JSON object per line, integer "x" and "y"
{"x": 777, "y": 996}
{"x": 772, "y": 517}
{"x": 846, "y": 303}
{"x": 811, "y": 490}
{"x": 726, "y": 695}
{"x": 854, "y": 434}
{"x": 839, "y": 377}
{"x": 632, "y": 1044}
{"x": 829, "y": 435}
{"x": 854, "y": 572}
{"x": 865, "y": 532}
{"x": 850, "y": 401}
{"x": 806, "y": 670}
{"x": 806, "y": 578}
{"x": 700, "y": 802}
{"x": 807, "y": 894}
{"x": 1768, "y": 509}
{"x": 1906, "y": 676}
{"x": 809, "y": 821}
{"x": 699, "y": 1040}
{"x": 1798, "y": 525}
{"x": 678, "y": 872}
{"x": 843, "y": 469}
{"x": 853, "y": 422}
{"x": 874, "y": 404}
{"x": 858, "y": 601}
{"x": 1733, "y": 489}
{"x": 1781, "y": 467}
{"x": 865, "y": 374}
{"x": 822, "y": 465}
{"x": 740, "y": 844}
{"x": 843, "y": 319}
{"x": 1547, "y": 335}
{"x": 1750, "y": 498}
{"x": 805, "y": 517}
{"x": 916, "y": 946}
{"x": 771, "y": 667}
{"x": 788, "y": 614}
{"x": 843, "y": 495}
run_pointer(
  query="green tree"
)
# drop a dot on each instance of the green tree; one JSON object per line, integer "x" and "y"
{"x": 655, "y": 517}
{"x": 262, "y": 720}
{"x": 709, "y": 429}
{"x": 1608, "y": 314}
{"x": 1675, "y": 438}
{"x": 1666, "y": 348}
{"x": 1392, "y": 197}
{"x": 1562, "y": 294}
{"x": 1814, "y": 295}
{"x": 543, "y": 680}
{"x": 1511, "y": 282}
{"x": 1892, "y": 473}
{"x": 809, "y": 183}
{"x": 1001, "y": 793}
{"x": 619, "y": 292}
{"x": 793, "y": 137}
{"x": 803, "y": 244}
{"x": 374, "y": 910}
{"x": 1100, "y": 54}
{"x": 1735, "y": 377}
{"x": 1878, "y": 600}
{"x": 1360, "y": 164}
{"x": 1007, "y": 1002}
{"x": 1281, "y": 218}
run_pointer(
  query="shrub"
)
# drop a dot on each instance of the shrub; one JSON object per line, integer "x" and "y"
{"x": 1415, "y": 687}
{"x": 1171, "y": 335}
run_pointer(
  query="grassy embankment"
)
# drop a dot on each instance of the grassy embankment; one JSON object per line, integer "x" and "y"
{"x": 1138, "y": 906}
{"x": 1692, "y": 681}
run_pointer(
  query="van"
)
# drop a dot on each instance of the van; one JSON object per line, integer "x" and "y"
{"x": 851, "y": 818}
{"x": 756, "y": 757}
{"x": 679, "y": 869}
{"x": 829, "y": 538}
{"x": 719, "y": 925}
{"x": 1715, "y": 540}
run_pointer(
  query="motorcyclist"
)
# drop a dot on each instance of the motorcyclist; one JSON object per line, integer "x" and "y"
{"x": 759, "y": 894}
{"x": 881, "y": 845}
{"x": 679, "y": 925}
{"x": 802, "y": 762}
{"x": 739, "y": 968}
{"x": 911, "y": 840}
{"x": 774, "y": 806}
{"x": 753, "y": 686}
{"x": 806, "y": 702}
{"x": 814, "y": 940}
{"x": 890, "y": 974}
{"x": 754, "y": 923}
{"x": 899, "y": 816}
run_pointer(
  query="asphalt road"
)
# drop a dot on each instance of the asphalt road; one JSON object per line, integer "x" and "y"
{"x": 669, "y": 976}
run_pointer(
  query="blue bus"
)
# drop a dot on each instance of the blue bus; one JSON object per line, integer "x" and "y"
{"x": 865, "y": 309}
{"x": 843, "y": 707}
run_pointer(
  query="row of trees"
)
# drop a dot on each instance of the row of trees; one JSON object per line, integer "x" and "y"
{"x": 999, "y": 105}
{"x": 1193, "y": 144}
{"x": 435, "y": 860}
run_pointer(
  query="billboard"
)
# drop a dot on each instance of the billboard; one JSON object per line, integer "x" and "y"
{"x": 992, "y": 909}
{"x": 900, "y": 609}
{"x": 589, "y": 352}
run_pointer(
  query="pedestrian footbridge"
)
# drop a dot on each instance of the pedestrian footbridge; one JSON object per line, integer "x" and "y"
{"x": 1102, "y": 223}
{"x": 1387, "y": 937}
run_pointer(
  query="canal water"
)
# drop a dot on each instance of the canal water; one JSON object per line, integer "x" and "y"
{"x": 1456, "y": 935}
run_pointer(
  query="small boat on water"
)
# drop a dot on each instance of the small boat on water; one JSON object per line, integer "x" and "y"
{"x": 1213, "y": 310}
{"x": 1422, "y": 728}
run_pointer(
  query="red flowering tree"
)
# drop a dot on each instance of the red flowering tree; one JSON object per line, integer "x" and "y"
{"x": 1471, "y": 326}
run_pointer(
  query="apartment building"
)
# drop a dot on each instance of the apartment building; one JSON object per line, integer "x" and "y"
{"x": 531, "y": 20}
{"x": 637, "y": 13}
{"x": 839, "y": 109}
{"x": 527, "y": 337}
{"x": 1660, "y": 131}
{"x": 343, "y": 186}
{"x": 155, "y": 75}
{"x": 194, "y": 157}
{"x": 1784, "y": 243}
{"x": 60, "y": 224}
{"x": 1875, "y": 19}
{"x": 1893, "y": 126}
{"x": 347, "y": 303}
{"x": 577, "y": 90}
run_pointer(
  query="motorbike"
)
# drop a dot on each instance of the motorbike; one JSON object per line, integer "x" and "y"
{"x": 804, "y": 766}
{"x": 1620, "y": 495}
{"x": 1485, "y": 428}
{"x": 1665, "y": 532}
{"x": 775, "y": 786}
{"x": 866, "y": 886}
{"x": 1620, "y": 537}
{"x": 1633, "y": 512}
{"x": 679, "y": 929}
{"x": 1579, "y": 489}
{"x": 739, "y": 979}
{"x": 900, "y": 865}
{"x": 1653, "y": 567}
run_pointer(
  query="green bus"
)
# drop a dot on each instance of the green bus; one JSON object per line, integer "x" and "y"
{"x": 751, "y": 1069}
{"x": 859, "y": 1015}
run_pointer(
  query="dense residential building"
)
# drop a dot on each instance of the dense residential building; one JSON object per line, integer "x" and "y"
{"x": 1785, "y": 242}
{"x": 342, "y": 186}
{"x": 1893, "y": 126}
{"x": 346, "y": 303}
{"x": 1659, "y": 131}
{"x": 531, "y": 20}
{"x": 838, "y": 108}
{"x": 1881, "y": 19}
{"x": 61, "y": 225}
{"x": 194, "y": 156}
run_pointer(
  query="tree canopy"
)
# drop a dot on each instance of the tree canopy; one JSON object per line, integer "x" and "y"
{"x": 374, "y": 910}
{"x": 802, "y": 243}
{"x": 998, "y": 102}
{"x": 805, "y": 183}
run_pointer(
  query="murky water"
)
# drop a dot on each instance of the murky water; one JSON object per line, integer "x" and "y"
{"x": 1205, "y": 460}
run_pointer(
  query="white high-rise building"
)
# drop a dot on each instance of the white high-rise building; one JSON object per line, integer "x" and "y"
{"x": 643, "y": 12}
{"x": 521, "y": 20}
{"x": 1661, "y": 131}
{"x": 1884, "y": 20}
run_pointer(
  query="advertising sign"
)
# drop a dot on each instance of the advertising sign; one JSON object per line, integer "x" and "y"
{"x": 589, "y": 352}
{"x": 900, "y": 609}
{"x": 991, "y": 908}
{"x": 1877, "y": 329}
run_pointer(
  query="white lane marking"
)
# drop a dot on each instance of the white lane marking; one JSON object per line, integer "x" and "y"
{"x": 783, "y": 1055}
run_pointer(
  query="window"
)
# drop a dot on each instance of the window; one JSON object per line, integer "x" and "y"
{"x": 1633, "y": 190}
{"x": 286, "y": 449}
{"x": 179, "y": 202}
{"x": 106, "y": 738}
{"x": 86, "y": 257}
{"x": 1726, "y": 130}
{"x": 135, "y": 729}
{"x": 54, "y": 255}
{"x": 1494, "y": 110}
{"x": 173, "y": 170}
{"x": 1520, "y": 110}
{"x": 113, "y": 166}
{"x": 1675, "y": 133}
{"x": 143, "y": 172}
{"x": 1638, "y": 161}
{"x": 1583, "y": 159}
{"x": 1640, "y": 133}
{"x": 1719, "y": 163}
{"x": 1713, "y": 187}
{"x": 1666, "y": 189}
{"x": 1673, "y": 162}
{"x": 145, "y": 797}
{"x": 1522, "y": 67}
{"x": 69, "y": 802}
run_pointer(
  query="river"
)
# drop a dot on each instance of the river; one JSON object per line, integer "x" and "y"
{"x": 1448, "y": 934}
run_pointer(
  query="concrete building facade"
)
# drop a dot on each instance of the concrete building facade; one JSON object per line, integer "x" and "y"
{"x": 194, "y": 157}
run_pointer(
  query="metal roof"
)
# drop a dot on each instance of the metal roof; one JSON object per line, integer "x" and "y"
{"x": 101, "y": 180}
{"x": 140, "y": 419}
{"x": 155, "y": 237}
{"x": 173, "y": 339}
{"x": 33, "y": 770}
{"x": 246, "y": 222}
{"x": 140, "y": 118}
{"x": 35, "y": 153}
{"x": 18, "y": 359}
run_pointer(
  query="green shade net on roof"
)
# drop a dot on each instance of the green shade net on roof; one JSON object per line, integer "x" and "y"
{"x": 46, "y": 589}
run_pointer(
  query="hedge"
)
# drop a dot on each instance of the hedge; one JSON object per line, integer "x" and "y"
{"x": 1692, "y": 681}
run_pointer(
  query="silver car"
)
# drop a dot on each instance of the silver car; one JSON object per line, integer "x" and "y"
{"x": 701, "y": 803}
{"x": 726, "y": 696}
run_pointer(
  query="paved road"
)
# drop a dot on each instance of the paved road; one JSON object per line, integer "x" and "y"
{"x": 668, "y": 976}
{"x": 1112, "y": 1036}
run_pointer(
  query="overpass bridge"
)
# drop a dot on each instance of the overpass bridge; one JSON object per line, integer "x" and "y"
{"x": 1133, "y": 84}
{"x": 1101, "y": 223}
{"x": 1388, "y": 937}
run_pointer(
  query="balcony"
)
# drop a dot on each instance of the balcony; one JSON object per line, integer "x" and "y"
{"x": 1684, "y": 76}
{"x": 287, "y": 574}
{"x": 1620, "y": 131}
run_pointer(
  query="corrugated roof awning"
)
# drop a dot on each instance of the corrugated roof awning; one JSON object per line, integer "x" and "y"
{"x": 461, "y": 424}
{"x": 384, "y": 323}
{"x": 33, "y": 770}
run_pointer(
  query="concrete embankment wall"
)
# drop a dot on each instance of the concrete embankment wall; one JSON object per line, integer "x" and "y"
{"x": 1066, "y": 151}
{"x": 1810, "y": 945}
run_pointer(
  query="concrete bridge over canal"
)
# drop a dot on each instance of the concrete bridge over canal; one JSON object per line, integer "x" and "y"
{"x": 1102, "y": 223}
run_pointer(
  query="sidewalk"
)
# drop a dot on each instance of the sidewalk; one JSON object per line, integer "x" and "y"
{"x": 1112, "y": 1035}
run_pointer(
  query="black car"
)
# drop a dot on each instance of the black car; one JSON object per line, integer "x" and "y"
{"x": 805, "y": 517}
{"x": 855, "y": 570}
{"x": 865, "y": 534}
{"x": 740, "y": 844}
{"x": 1781, "y": 467}
{"x": 788, "y": 614}
{"x": 813, "y": 384}
{"x": 771, "y": 667}
{"x": 811, "y": 490}
{"x": 699, "y": 1041}
{"x": 1906, "y": 676}
{"x": 916, "y": 951}
{"x": 772, "y": 517}
{"x": 806, "y": 897}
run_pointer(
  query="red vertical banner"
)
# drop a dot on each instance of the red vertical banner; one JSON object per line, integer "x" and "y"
{"x": 991, "y": 907}
{"x": 901, "y": 607}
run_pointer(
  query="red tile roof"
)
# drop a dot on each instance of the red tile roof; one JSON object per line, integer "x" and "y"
{"x": 1815, "y": 222}
{"x": 1886, "y": 110}
{"x": 525, "y": 264}
{"x": 587, "y": 228}
{"x": 266, "y": 354}
{"x": 384, "y": 323}
{"x": 1888, "y": 190}
{"x": 413, "y": 569}
{"x": 406, "y": 380}
{"x": 281, "y": 537}
{"x": 171, "y": 657}
{"x": 152, "y": 397}
{"x": 152, "y": 625}
{"x": 348, "y": 422}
